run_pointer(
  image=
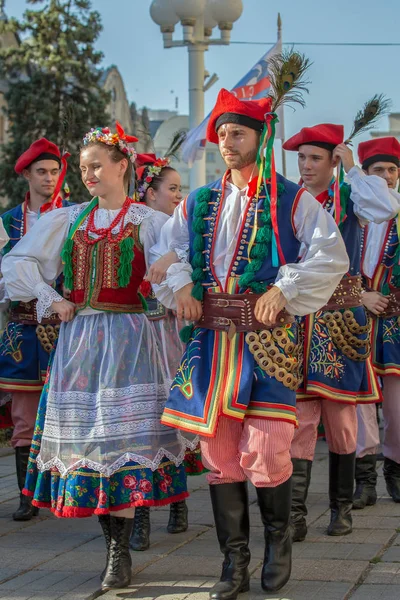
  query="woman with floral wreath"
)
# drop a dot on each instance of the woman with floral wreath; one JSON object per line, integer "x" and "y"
{"x": 99, "y": 447}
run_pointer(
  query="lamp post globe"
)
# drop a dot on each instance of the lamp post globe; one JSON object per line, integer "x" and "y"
{"x": 163, "y": 14}
{"x": 226, "y": 11}
{"x": 188, "y": 9}
{"x": 209, "y": 21}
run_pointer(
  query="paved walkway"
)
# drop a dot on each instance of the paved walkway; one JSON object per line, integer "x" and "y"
{"x": 48, "y": 558}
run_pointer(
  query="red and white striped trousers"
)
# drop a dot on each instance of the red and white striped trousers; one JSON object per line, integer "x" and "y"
{"x": 253, "y": 449}
{"x": 340, "y": 424}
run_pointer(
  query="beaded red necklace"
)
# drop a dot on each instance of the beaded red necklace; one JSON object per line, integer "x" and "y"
{"x": 103, "y": 232}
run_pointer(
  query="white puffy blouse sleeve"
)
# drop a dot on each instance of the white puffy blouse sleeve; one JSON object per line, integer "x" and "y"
{"x": 372, "y": 199}
{"x": 34, "y": 264}
{"x": 174, "y": 236}
{"x": 309, "y": 284}
{"x": 150, "y": 232}
{"x": 3, "y": 235}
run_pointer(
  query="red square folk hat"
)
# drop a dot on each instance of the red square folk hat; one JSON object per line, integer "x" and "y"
{"x": 386, "y": 149}
{"x": 229, "y": 109}
{"x": 40, "y": 150}
{"x": 325, "y": 135}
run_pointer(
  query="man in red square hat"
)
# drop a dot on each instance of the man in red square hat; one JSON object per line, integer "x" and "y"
{"x": 337, "y": 370}
{"x": 25, "y": 347}
{"x": 235, "y": 386}
{"x": 381, "y": 271}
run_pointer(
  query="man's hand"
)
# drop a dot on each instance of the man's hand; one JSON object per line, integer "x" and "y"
{"x": 158, "y": 270}
{"x": 269, "y": 306}
{"x": 64, "y": 309}
{"x": 187, "y": 307}
{"x": 374, "y": 302}
{"x": 344, "y": 153}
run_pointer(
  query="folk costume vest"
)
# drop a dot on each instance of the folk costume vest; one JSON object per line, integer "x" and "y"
{"x": 219, "y": 375}
{"x": 385, "y": 337}
{"x": 336, "y": 363}
{"x": 96, "y": 281}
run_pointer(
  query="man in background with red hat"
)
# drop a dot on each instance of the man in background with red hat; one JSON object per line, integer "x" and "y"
{"x": 25, "y": 347}
{"x": 235, "y": 386}
{"x": 381, "y": 271}
{"x": 337, "y": 371}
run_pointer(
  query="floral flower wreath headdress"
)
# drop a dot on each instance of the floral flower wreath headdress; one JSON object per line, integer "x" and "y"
{"x": 119, "y": 139}
{"x": 148, "y": 166}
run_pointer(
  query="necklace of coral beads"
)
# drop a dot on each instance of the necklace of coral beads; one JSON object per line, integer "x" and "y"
{"x": 103, "y": 232}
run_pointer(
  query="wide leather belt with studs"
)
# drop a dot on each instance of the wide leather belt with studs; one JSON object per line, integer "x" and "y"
{"x": 346, "y": 295}
{"x": 25, "y": 313}
{"x": 235, "y": 313}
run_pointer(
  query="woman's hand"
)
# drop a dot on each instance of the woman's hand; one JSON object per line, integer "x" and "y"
{"x": 374, "y": 302}
{"x": 158, "y": 270}
{"x": 64, "y": 309}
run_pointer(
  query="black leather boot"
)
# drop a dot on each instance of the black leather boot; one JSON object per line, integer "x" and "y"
{"x": 118, "y": 572}
{"x": 104, "y": 521}
{"x": 274, "y": 506}
{"x": 231, "y": 514}
{"x": 391, "y": 471}
{"x": 300, "y": 483}
{"x": 178, "y": 517}
{"x": 25, "y": 511}
{"x": 140, "y": 538}
{"x": 366, "y": 477}
{"x": 341, "y": 482}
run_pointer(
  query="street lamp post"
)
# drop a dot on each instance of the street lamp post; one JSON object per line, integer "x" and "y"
{"x": 198, "y": 18}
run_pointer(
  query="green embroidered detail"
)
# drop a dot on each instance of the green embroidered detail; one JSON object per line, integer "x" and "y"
{"x": 7, "y": 223}
{"x": 186, "y": 333}
{"x": 66, "y": 257}
{"x": 199, "y": 227}
{"x": 127, "y": 255}
{"x": 345, "y": 191}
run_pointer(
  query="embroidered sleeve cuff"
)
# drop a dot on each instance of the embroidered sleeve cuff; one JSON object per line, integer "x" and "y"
{"x": 46, "y": 295}
{"x": 288, "y": 288}
{"x": 179, "y": 275}
{"x": 181, "y": 250}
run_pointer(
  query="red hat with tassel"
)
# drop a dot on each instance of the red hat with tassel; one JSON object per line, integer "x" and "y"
{"x": 229, "y": 109}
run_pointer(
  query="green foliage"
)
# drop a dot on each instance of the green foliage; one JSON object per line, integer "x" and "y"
{"x": 54, "y": 86}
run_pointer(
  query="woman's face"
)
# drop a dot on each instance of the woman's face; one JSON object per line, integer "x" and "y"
{"x": 100, "y": 174}
{"x": 168, "y": 195}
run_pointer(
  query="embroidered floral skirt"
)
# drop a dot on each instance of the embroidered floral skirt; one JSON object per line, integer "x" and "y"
{"x": 98, "y": 441}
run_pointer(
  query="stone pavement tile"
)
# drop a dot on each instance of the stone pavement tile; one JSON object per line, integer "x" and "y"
{"x": 358, "y": 536}
{"x": 376, "y": 592}
{"x": 374, "y": 522}
{"x": 193, "y": 565}
{"x": 339, "y": 551}
{"x": 385, "y": 507}
{"x": 38, "y": 541}
{"x": 392, "y": 555}
{"x": 73, "y": 562}
{"x": 303, "y": 590}
{"x": 384, "y": 572}
{"x": 30, "y": 559}
{"x": 23, "y": 580}
{"x": 327, "y": 570}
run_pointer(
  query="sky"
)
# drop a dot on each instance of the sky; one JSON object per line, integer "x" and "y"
{"x": 342, "y": 78}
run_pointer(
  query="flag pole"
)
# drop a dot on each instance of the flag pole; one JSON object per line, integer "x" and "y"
{"x": 281, "y": 115}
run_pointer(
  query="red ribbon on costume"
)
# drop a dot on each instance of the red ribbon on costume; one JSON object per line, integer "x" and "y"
{"x": 336, "y": 197}
{"x": 56, "y": 200}
{"x": 274, "y": 209}
{"x": 129, "y": 139}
